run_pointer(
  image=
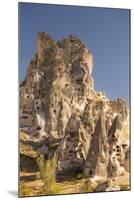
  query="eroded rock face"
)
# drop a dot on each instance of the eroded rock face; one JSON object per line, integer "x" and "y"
{"x": 59, "y": 106}
{"x": 98, "y": 155}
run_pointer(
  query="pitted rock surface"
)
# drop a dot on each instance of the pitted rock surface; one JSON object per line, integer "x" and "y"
{"x": 60, "y": 108}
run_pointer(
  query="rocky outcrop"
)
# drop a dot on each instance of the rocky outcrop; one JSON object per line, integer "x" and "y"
{"x": 98, "y": 155}
{"x": 61, "y": 110}
{"x": 107, "y": 186}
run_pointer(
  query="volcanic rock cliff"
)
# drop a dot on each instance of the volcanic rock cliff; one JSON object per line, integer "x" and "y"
{"x": 62, "y": 112}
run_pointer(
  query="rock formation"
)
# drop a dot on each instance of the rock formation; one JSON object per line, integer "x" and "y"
{"x": 61, "y": 110}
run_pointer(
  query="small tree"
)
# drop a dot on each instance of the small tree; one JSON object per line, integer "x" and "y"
{"x": 48, "y": 173}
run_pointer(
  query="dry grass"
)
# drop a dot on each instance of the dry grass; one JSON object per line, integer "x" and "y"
{"x": 38, "y": 187}
{"x": 87, "y": 186}
{"x": 124, "y": 187}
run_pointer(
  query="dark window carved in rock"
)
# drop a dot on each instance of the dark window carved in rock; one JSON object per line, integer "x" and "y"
{"x": 90, "y": 173}
{"x": 24, "y": 117}
{"x": 71, "y": 151}
{"x": 68, "y": 139}
{"x": 38, "y": 128}
{"x": 81, "y": 155}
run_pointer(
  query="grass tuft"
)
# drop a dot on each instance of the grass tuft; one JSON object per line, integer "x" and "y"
{"x": 87, "y": 186}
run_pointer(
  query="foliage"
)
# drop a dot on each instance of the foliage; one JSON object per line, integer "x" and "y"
{"x": 25, "y": 191}
{"x": 79, "y": 176}
{"x": 87, "y": 186}
{"x": 48, "y": 173}
{"x": 124, "y": 187}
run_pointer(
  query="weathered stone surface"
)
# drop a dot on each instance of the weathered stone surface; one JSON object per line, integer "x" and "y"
{"x": 106, "y": 186}
{"x": 61, "y": 110}
{"x": 98, "y": 155}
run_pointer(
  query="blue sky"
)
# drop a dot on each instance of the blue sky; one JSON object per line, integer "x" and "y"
{"x": 104, "y": 31}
